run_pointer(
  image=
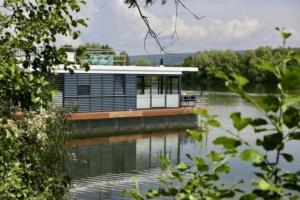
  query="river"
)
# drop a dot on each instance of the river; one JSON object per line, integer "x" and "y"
{"x": 106, "y": 166}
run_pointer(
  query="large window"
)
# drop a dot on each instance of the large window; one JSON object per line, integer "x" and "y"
{"x": 143, "y": 85}
{"x": 172, "y": 85}
{"x": 158, "y": 85}
{"x": 119, "y": 84}
{"x": 83, "y": 90}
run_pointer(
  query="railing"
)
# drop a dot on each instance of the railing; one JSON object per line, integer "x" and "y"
{"x": 100, "y": 57}
{"x": 193, "y": 100}
{"x": 114, "y": 57}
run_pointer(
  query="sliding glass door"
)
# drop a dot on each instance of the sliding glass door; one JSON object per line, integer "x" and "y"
{"x": 157, "y": 91}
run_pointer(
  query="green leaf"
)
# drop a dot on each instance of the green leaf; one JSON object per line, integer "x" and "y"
{"x": 238, "y": 122}
{"x": 264, "y": 185}
{"x": 259, "y": 122}
{"x": 200, "y": 164}
{"x": 291, "y": 117}
{"x": 213, "y": 123}
{"x": 241, "y": 81}
{"x": 196, "y": 135}
{"x": 215, "y": 156}
{"x": 266, "y": 66}
{"x": 285, "y": 34}
{"x": 152, "y": 193}
{"x": 182, "y": 166}
{"x": 291, "y": 79}
{"x": 268, "y": 103}
{"x": 227, "y": 142}
{"x": 294, "y": 136}
{"x": 287, "y": 157}
{"x": 250, "y": 196}
{"x": 272, "y": 141}
{"x": 252, "y": 155}
{"x": 296, "y": 56}
{"x": 292, "y": 100}
{"x": 223, "y": 169}
{"x": 220, "y": 74}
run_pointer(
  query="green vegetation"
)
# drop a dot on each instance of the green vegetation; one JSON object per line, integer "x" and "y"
{"x": 32, "y": 149}
{"x": 200, "y": 178}
{"x": 142, "y": 62}
{"x": 233, "y": 62}
{"x": 32, "y": 134}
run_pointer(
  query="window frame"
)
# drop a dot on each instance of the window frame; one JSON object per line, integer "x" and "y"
{"x": 123, "y": 82}
{"x": 88, "y": 89}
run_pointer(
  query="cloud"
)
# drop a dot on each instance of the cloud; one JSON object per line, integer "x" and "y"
{"x": 111, "y": 22}
{"x": 234, "y": 29}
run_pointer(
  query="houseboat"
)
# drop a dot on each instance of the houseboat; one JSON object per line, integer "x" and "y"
{"x": 108, "y": 91}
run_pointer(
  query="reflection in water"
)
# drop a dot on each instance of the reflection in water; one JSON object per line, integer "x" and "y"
{"x": 109, "y": 165}
{"x": 106, "y": 167}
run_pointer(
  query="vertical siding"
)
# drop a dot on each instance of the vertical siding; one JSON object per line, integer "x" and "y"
{"x": 70, "y": 85}
{"x": 70, "y": 90}
{"x": 130, "y": 91}
{"x": 102, "y": 92}
{"x": 108, "y": 84}
{"x": 96, "y": 92}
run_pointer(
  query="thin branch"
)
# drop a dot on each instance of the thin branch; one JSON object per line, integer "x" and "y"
{"x": 151, "y": 32}
{"x": 191, "y": 12}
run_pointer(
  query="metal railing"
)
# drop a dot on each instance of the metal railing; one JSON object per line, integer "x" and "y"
{"x": 117, "y": 58}
{"x": 193, "y": 100}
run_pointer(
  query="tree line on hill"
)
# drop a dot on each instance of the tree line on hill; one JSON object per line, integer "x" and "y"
{"x": 229, "y": 61}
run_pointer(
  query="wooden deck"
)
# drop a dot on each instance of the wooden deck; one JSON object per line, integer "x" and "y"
{"x": 130, "y": 114}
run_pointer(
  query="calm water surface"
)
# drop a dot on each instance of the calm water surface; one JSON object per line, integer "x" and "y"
{"x": 107, "y": 166}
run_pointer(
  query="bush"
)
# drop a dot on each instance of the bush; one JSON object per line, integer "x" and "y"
{"x": 32, "y": 154}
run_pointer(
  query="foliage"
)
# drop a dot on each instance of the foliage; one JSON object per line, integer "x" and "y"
{"x": 32, "y": 140}
{"x": 142, "y": 62}
{"x": 32, "y": 150}
{"x": 201, "y": 177}
{"x": 24, "y": 90}
{"x": 244, "y": 63}
{"x": 27, "y": 40}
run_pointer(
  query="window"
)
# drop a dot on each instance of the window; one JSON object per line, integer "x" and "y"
{"x": 83, "y": 90}
{"x": 119, "y": 84}
{"x": 143, "y": 85}
{"x": 158, "y": 85}
{"x": 172, "y": 85}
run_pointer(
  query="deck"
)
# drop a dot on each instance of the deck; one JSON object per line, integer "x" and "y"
{"x": 131, "y": 114}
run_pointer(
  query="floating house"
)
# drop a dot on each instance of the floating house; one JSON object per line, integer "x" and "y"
{"x": 113, "y": 98}
{"x": 107, "y": 87}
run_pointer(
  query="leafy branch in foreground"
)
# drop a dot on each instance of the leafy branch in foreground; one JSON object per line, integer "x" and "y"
{"x": 280, "y": 125}
{"x": 32, "y": 150}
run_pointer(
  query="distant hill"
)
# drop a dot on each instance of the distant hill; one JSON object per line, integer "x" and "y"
{"x": 169, "y": 59}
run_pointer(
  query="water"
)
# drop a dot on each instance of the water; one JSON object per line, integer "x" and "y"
{"x": 107, "y": 166}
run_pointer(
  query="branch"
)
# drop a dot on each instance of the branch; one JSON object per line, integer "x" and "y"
{"x": 151, "y": 32}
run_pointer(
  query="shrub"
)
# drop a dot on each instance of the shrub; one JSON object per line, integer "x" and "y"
{"x": 32, "y": 154}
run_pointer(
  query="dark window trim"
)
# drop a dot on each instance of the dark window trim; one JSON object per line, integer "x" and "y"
{"x": 86, "y": 91}
{"x": 123, "y": 84}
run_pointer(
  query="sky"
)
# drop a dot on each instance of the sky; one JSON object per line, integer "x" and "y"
{"x": 227, "y": 24}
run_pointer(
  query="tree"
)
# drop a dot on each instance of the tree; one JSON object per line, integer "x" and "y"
{"x": 28, "y": 34}
{"x": 143, "y": 62}
{"x": 32, "y": 140}
{"x": 124, "y": 55}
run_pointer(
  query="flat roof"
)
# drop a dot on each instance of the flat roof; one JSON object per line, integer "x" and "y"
{"x": 115, "y": 69}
